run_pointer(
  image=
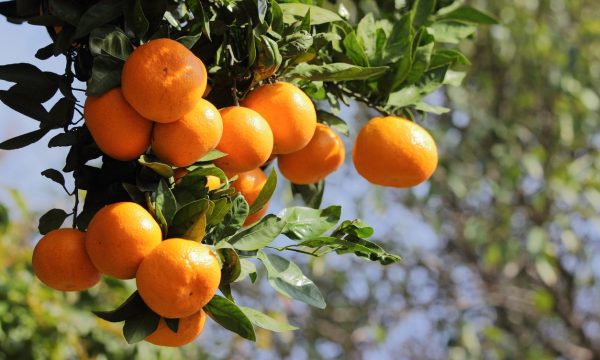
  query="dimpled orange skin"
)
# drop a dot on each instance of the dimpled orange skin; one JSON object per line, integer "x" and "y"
{"x": 163, "y": 80}
{"x": 323, "y": 155}
{"x": 185, "y": 141}
{"x": 178, "y": 278}
{"x": 118, "y": 130}
{"x": 289, "y": 112}
{"x": 396, "y": 152}
{"x": 247, "y": 140}
{"x": 189, "y": 329}
{"x": 61, "y": 262}
{"x": 118, "y": 238}
{"x": 249, "y": 184}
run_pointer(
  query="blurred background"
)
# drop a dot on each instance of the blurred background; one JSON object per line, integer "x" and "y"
{"x": 501, "y": 248}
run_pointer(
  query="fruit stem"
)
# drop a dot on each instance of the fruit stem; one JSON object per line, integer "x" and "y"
{"x": 362, "y": 98}
{"x": 234, "y": 93}
{"x": 76, "y": 206}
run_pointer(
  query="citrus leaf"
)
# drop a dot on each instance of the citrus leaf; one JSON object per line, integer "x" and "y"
{"x": 187, "y": 216}
{"x": 139, "y": 327}
{"x": 335, "y": 72}
{"x": 265, "y": 193}
{"x": 228, "y": 314}
{"x": 469, "y": 14}
{"x": 97, "y": 15}
{"x": 303, "y": 223}
{"x": 258, "y": 235}
{"x": 172, "y": 324}
{"x": 54, "y": 175}
{"x": 264, "y": 321}
{"x": 311, "y": 194}
{"x": 318, "y": 15}
{"x": 160, "y": 168}
{"x": 23, "y": 140}
{"x": 247, "y": 268}
{"x": 213, "y": 155}
{"x": 287, "y": 278}
{"x": 133, "y": 306}
{"x": 110, "y": 40}
{"x": 23, "y": 103}
{"x": 135, "y": 18}
{"x": 231, "y": 268}
{"x": 165, "y": 201}
{"x": 333, "y": 122}
{"x": 51, "y": 220}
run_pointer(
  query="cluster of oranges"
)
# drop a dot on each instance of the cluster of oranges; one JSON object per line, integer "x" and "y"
{"x": 160, "y": 105}
{"x": 174, "y": 277}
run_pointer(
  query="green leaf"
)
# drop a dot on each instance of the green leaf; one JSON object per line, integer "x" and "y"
{"x": 335, "y": 72}
{"x": 110, "y": 40}
{"x": 166, "y": 201}
{"x": 135, "y": 18}
{"x": 421, "y": 11}
{"x": 318, "y": 15}
{"x": 140, "y": 326}
{"x": 247, "y": 269}
{"x": 190, "y": 40}
{"x": 265, "y": 193}
{"x": 228, "y": 315}
{"x": 97, "y": 15}
{"x": 23, "y": 140}
{"x": 54, "y": 175}
{"x": 333, "y": 122}
{"x": 302, "y": 223}
{"x": 67, "y": 10}
{"x": 219, "y": 211}
{"x": 234, "y": 219}
{"x": 438, "y": 110}
{"x": 311, "y": 194}
{"x": 61, "y": 114}
{"x": 354, "y": 50}
{"x": 212, "y": 155}
{"x": 450, "y": 57}
{"x": 355, "y": 227}
{"x": 469, "y": 14}
{"x": 232, "y": 267}
{"x": 106, "y": 74}
{"x": 172, "y": 324}
{"x": 51, "y": 220}
{"x": 366, "y": 32}
{"x": 258, "y": 235}
{"x": 158, "y": 167}
{"x": 187, "y": 216}
{"x": 451, "y": 32}
{"x": 287, "y": 278}
{"x": 24, "y": 103}
{"x": 133, "y": 306}
{"x": 264, "y": 321}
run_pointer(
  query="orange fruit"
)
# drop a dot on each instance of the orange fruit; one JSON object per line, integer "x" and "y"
{"x": 392, "y": 151}
{"x": 249, "y": 184}
{"x": 178, "y": 278}
{"x": 163, "y": 80}
{"x": 212, "y": 182}
{"x": 189, "y": 328}
{"x": 289, "y": 112}
{"x": 116, "y": 127}
{"x": 118, "y": 238}
{"x": 323, "y": 155}
{"x": 61, "y": 262}
{"x": 247, "y": 140}
{"x": 185, "y": 141}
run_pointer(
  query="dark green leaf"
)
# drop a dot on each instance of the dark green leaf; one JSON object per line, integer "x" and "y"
{"x": 106, "y": 74}
{"x": 258, "y": 235}
{"x": 335, "y": 72}
{"x": 140, "y": 326}
{"x": 187, "y": 216}
{"x": 228, "y": 315}
{"x": 172, "y": 324}
{"x": 422, "y": 9}
{"x": 46, "y": 52}
{"x": 311, "y": 194}
{"x": 51, "y": 220}
{"x": 212, "y": 155}
{"x": 287, "y": 278}
{"x": 450, "y": 57}
{"x": 97, "y": 15}
{"x": 133, "y": 306}
{"x": 189, "y": 41}
{"x": 355, "y": 51}
{"x": 231, "y": 268}
{"x": 302, "y": 223}
{"x": 333, "y": 122}
{"x": 68, "y": 10}
{"x": 135, "y": 18}
{"x": 265, "y": 193}
{"x": 61, "y": 114}
{"x": 451, "y": 32}
{"x": 23, "y": 140}
{"x": 54, "y": 175}
{"x": 264, "y": 321}
{"x": 110, "y": 40}
{"x": 469, "y": 14}
{"x": 166, "y": 201}
{"x": 25, "y": 104}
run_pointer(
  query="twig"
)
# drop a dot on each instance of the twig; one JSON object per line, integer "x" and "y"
{"x": 76, "y": 206}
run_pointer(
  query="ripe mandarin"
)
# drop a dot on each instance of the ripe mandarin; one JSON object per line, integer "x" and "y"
{"x": 247, "y": 140}
{"x": 61, "y": 262}
{"x": 178, "y": 278}
{"x": 392, "y": 151}
{"x": 249, "y": 184}
{"x": 118, "y": 130}
{"x": 189, "y": 329}
{"x": 323, "y": 155}
{"x": 163, "y": 80}
{"x": 289, "y": 112}
{"x": 185, "y": 141}
{"x": 119, "y": 236}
